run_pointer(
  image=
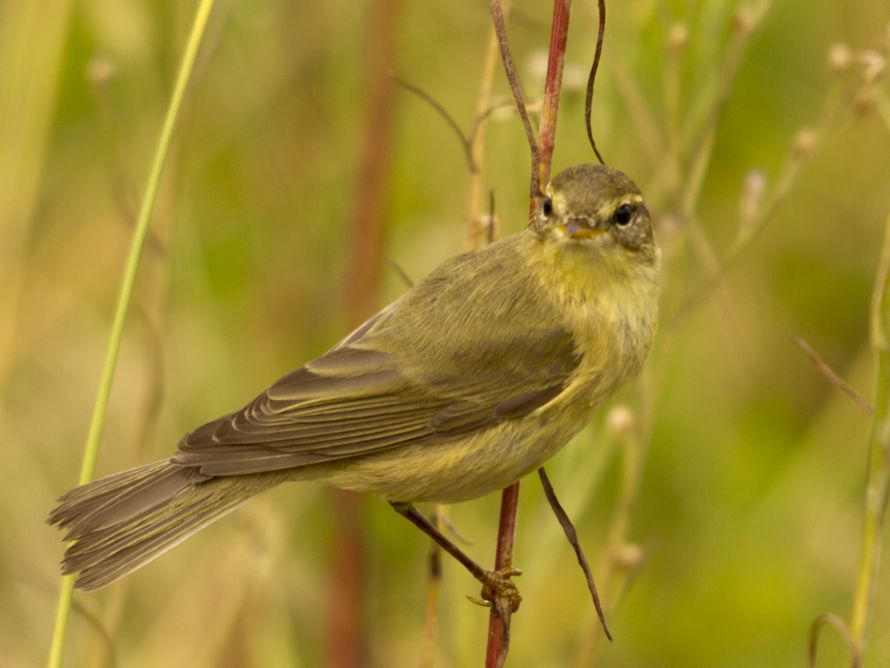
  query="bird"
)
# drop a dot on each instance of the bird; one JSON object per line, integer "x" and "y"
{"x": 471, "y": 379}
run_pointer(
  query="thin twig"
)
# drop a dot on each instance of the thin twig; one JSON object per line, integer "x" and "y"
{"x": 744, "y": 24}
{"x": 406, "y": 279}
{"x": 788, "y": 178}
{"x": 154, "y": 366}
{"x": 805, "y": 147}
{"x": 465, "y": 142}
{"x": 745, "y": 21}
{"x": 566, "y": 523}
{"x": 492, "y": 228}
{"x": 833, "y": 377}
{"x": 838, "y": 625}
{"x": 650, "y": 136}
{"x": 588, "y": 98}
{"x": 433, "y": 591}
{"x": 877, "y": 493}
{"x": 616, "y": 570}
{"x": 671, "y": 164}
{"x": 500, "y": 28}
{"x": 479, "y": 137}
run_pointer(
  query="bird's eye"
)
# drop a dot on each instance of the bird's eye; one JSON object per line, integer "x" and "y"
{"x": 623, "y": 214}
{"x": 547, "y": 207}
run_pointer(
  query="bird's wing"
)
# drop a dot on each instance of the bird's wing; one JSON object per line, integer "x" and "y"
{"x": 378, "y": 390}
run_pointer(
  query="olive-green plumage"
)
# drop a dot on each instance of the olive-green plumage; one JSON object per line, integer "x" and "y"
{"x": 473, "y": 378}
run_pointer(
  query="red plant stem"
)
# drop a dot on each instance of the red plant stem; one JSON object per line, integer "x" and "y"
{"x": 559, "y": 33}
{"x": 366, "y": 239}
{"x": 499, "y": 22}
{"x": 346, "y": 642}
{"x": 498, "y": 628}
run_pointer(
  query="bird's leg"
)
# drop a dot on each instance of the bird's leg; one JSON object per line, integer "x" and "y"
{"x": 495, "y": 584}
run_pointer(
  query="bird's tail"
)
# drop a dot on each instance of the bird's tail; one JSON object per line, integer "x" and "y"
{"x": 121, "y": 522}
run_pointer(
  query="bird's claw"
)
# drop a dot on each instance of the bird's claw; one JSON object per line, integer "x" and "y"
{"x": 498, "y": 589}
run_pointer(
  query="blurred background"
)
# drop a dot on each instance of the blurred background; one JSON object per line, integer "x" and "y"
{"x": 719, "y": 498}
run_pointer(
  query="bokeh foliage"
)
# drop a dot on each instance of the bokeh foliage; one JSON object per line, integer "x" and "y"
{"x": 749, "y": 508}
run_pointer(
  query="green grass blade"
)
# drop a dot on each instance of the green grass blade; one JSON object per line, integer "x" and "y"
{"x": 878, "y": 487}
{"x": 91, "y": 449}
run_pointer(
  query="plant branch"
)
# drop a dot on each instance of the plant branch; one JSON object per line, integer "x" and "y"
{"x": 801, "y": 153}
{"x": 805, "y": 146}
{"x": 465, "y": 142}
{"x": 838, "y": 625}
{"x": 588, "y": 96}
{"x": 433, "y": 591}
{"x": 833, "y": 376}
{"x": 499, "y": 619}
{"x": 500, "y": 28}
{"x": 566, "y": 523}
{"x": 877, "y": 492}
{"x": 559, "y": 33}
{"x": 128, "y": 281}
{"x": 744, "y": 25}
{"x": 479, "y": 138}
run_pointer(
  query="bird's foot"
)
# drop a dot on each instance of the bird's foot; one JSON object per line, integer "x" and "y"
{"x": 499, "y": 591}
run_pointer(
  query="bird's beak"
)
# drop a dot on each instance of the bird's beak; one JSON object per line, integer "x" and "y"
{"x": 581, "y": 228}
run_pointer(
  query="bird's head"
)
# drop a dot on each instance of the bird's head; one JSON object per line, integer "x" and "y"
{"x": 597, "y": 208}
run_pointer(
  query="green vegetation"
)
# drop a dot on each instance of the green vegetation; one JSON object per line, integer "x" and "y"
{"x": 720, "y": 500}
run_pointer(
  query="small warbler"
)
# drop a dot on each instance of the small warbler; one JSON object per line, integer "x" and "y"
{"x": 473, "y": 378}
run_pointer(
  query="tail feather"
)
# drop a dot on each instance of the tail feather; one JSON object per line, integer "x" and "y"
{"x": 121, "y": 496}
{"x": 120, "y": 523}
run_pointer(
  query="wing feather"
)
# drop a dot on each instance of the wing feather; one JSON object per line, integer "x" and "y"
{"x": 383, "y": 387}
